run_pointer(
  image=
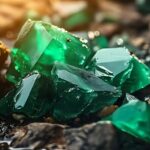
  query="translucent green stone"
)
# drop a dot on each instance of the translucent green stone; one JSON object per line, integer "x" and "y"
{"x": 79, "y": 92}
{"x": 32, "y": 97}
{"x": 122, "y": 69}
{"x": 114, "y": 59}
{"x": 39, "y": 45}
{"x": 133, "y": 118}
{"x": 99, "y": 42}
{"x": 139, "y": 77}
{"x": 78, "y": 19}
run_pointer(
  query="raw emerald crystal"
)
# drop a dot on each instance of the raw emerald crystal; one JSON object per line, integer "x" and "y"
{"x": 32, "y": 97}
{"x": 127, "y": 71}
{"x": 79, "y": 92}
{"x": 133, "y": 118}
{"x": 39, "y": 45}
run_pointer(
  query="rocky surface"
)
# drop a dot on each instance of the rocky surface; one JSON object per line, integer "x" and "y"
{"x": 95, "y": 136}
{"x": 53, "y": 136}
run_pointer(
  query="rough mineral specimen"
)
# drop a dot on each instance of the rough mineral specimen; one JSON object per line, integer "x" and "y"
{"x": 59, "y": 137}
{"x": 79, "y": 92}
{"x": 139, "y": 77}
{"x": 126, "y": 70}
{"x": 133, "y": 118}
{"x": 40, "y": 44}
{"x": 32, "y": 97}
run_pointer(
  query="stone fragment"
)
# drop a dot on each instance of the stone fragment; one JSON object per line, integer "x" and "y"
{"x": 120, "y": 68}
{"x": 28, "y": 98}
{"x": 79, "y": 92}
{"x": 133, "y": 118}
{"x": 40, "y": 44}
{"x": 42, "y": 134}
{"x": 53, "y": 136}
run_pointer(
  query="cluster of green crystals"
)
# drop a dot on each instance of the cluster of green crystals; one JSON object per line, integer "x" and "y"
{"x": 39, "y": 45}
{"x": 58, "y": 74}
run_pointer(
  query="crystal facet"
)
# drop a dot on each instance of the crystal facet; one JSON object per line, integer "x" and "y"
{"x": 127, "y": 71}
{"x": 40, "y": 44}
{"x": 139, "y": 77}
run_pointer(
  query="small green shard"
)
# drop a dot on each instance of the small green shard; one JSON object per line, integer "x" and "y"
{"x": 79, "y": 92}
{"x": 133, "y": 118}
{"x": 78, "y": 19}
{"x": 39, "y": 45}
{"x": 99, "y": 41}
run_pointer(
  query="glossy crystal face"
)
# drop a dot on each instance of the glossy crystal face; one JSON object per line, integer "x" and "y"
{"x": 133, "y": 118}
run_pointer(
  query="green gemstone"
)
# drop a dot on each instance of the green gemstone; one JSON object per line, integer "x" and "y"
{"x": 28, "y": 98}
{"x": 79, "y": 92}
{"x": 99, "y": 42}
{"x": 133, "y": 118}
{"x": 139, "y": 77}
{"x": 39, "y": 45}
{"x": 78, "y": 19}
{"x": 123, "y": 70}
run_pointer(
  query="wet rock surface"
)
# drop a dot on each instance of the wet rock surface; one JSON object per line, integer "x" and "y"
{"x": 94, "y": 136}
{"x": 52, "y": 136}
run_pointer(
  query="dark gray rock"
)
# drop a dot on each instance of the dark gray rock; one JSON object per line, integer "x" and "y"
{"x": 57, "y": 137}
{"x": 92, "y": 137}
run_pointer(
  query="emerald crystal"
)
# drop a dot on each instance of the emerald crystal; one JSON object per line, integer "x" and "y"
{"x": 139, "y": 77}
{"x": 39, "y": 45}
{"x": 28, "y": 98}
{"x": 133, "y": 118}
{"x": 123, "y": 70}
{"x": 99, "y": 41}
{"x": 79, "y": 92}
